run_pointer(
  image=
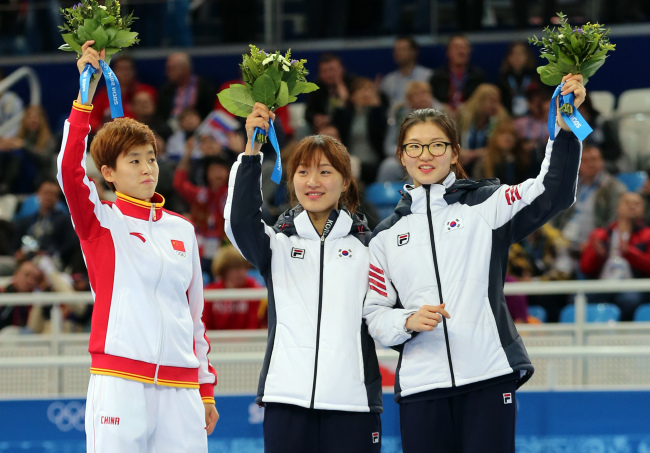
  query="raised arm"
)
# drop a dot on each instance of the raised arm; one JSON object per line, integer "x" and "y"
{"x": 517, "y": 211}
{"x": 244, "y": 225}
{"x": 80, "y": 193}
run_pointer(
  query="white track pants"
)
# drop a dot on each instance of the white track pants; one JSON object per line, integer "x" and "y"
{"x": 131, "y": 417}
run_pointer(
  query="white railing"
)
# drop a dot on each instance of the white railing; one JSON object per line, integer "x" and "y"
{"x": 578, "y": 350}
{"x": 34, "y": 92}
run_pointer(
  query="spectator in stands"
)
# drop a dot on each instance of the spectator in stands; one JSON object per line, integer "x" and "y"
{"x": 26, "y": 279}
{"x": 645, "y": 193}
{"x": 455, "y": 82}
{"x": 418, "y": 96}
{"x": 36, "y": 149}
{"x": 596, "y": 200}
{"x": 184, "y": 89}
{"x": 504, "y": 158}
{"x": 605, "y": 136}
{"x": 518, "y": 72}
{"x": 50, "y": 227}
{"x": 361, "y": 123}
{"x": 11, "y": 107}
{"x": 206, "y": 202}
{"x": 124, "y": 68}
{"x": 334, "y": 91}
{"x": 143, "y": 106}
{"x": 620, "y": 251}
{"x": 543, "y": 255}
{"x": 532, "y": 128}
{"x": 405, "y": 56}
{"x": 478, "y": 118}
{"x": 189, "y": 121}
{"x": 230, "y": 269}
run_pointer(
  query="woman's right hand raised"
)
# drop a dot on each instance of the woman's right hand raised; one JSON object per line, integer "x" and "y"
{"x": 92, "y": 57}
{"x": 426, "y": 318}
{"x": 259, "y": 117}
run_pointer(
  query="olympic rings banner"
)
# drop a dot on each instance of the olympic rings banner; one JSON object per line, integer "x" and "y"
{"x": 559, "y": 422}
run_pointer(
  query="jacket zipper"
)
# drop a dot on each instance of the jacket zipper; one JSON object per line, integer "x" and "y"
{"x": 435, "y": 265}
{"x": 320, "y": 309}
{"x": 152, "y": 215}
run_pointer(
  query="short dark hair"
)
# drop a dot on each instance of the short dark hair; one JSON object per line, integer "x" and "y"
{"x": 48, "y": 180}
{"x": 214, "y": 160}
{"x": 457, "y": 35}
{"x": 412, "y": 42}
{"x": 327, "y": 57}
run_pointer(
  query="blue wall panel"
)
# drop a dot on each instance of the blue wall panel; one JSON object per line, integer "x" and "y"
{"x": 548, "y": 422}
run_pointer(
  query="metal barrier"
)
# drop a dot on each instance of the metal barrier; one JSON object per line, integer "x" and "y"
{"x": 572, "y": 355}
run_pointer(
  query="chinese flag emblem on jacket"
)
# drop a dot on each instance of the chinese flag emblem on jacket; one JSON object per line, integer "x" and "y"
{"x": 178, "y": 246}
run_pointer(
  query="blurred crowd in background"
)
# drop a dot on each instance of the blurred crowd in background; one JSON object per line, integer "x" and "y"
{"x": 503, "y": 131}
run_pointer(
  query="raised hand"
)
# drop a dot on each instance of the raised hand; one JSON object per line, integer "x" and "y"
{"x": 92, "y": 57}
{"x": 574, "y": 84}
{"x": 259, "y": 117}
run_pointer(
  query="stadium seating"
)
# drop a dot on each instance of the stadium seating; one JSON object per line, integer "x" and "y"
{"x": 604, "y": 102}
{"x": 642, "y": 313}
{"x": 633, "y": 180}
{"x": 634, "y": 101}
{"x": 384, "y": 196}
{"x": 538, "y": 312}
{"x": 595, "y": 313}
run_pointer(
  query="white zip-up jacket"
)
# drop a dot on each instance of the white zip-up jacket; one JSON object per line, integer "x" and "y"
{"x": 145, "y": 274}
{"x": 319, "y": 353}
{"x": 449, "y": 243}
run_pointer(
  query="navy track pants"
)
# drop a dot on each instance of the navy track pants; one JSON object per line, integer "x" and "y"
{"x": 480, "y": 421}
{"x": 294, "y": 429}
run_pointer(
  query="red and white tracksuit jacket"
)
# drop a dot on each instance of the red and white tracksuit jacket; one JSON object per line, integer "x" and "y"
{"x": 144, "y": 270}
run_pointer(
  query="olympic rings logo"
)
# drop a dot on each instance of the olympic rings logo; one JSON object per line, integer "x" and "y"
{"x": 67, "y": 416}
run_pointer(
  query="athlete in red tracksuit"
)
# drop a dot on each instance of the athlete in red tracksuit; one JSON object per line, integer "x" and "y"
{"x": 151, "y": 387}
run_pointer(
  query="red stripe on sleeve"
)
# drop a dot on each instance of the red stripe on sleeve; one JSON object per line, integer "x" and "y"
{"x": 377, "y": 290}
{"x": 378, "y": 277}
{"x": 376, "y": 283}
{"x": 376, "y": 269}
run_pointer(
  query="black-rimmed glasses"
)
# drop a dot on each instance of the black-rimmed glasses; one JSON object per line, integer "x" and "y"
{"x": 437, "y": 148}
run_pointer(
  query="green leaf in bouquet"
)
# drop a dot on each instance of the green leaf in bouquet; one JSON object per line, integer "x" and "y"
{"x": 253, "y": 67}
{"x": 292, "y": 78}
{"x": 66, "y": 48}
{"x": 550, "y": 75}
{"x": 293, "y": 98}
{"x": 84, "y": 35}
{"x": 124, "y": 38}
{"x": 592, "y": 47}
{"x": 111, "y": 51}
{"x": 550, "y": 57}
{"x": 264, "y": 90}
{"x": 283, "y": 95}
{"x": 237, "y": 100}
{"x": 100, "y": 37}
{"x": 303, "y": 87}
{"x": 564, "y": 59}
{"x": 90, "y": 25}
{"x": 590, "y": 67}
{"x": 110, "y": 20}
{"x": 70, "y": 41}
{"x": 274, "y": 74}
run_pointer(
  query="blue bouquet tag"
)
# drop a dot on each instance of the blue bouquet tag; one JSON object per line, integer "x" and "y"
{"x": 112, "y": 87}
{"x": 575, "y": 121}
{"x": 276, "y": 176}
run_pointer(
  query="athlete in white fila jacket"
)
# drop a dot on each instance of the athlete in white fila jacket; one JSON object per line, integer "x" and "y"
{"x": 151, "y": 387}
{"x": 320, "y": 380}
{"x": 437, "y": 267}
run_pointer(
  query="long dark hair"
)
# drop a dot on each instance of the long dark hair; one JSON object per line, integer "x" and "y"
{"x": 309, "y": 151}
{"x": 441, "y": 120}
